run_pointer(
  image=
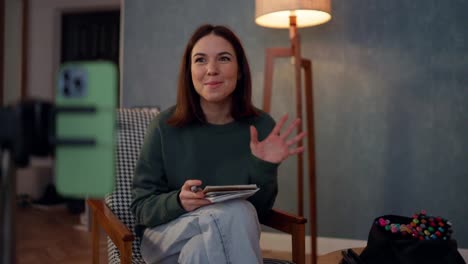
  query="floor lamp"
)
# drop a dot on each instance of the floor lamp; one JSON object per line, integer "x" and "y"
{"x": 294, "y": 14}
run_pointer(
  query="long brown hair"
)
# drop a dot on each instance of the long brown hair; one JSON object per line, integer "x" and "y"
{"x": 188, "y": 109}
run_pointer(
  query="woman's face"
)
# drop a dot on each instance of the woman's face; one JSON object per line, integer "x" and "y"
{"x": 214, "y": 69}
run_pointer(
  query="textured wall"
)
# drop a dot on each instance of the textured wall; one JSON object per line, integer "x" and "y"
{"x": 391, "y": 87}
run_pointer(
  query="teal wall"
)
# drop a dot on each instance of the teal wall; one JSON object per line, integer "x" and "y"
{"x": 391, "y": 105}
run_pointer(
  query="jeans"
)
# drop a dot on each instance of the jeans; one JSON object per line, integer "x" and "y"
{"x": 227, "y": 232}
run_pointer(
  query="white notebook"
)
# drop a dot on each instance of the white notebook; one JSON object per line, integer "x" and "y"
{"x": 222, "y": 193}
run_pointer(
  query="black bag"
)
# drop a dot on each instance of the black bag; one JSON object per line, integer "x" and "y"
{"x": 385, "y": 247}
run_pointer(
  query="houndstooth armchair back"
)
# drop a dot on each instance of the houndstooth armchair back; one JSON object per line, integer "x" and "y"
{"x": 131, "y": 129}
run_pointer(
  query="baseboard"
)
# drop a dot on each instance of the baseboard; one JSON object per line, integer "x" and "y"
{"x": 282, "y": 242}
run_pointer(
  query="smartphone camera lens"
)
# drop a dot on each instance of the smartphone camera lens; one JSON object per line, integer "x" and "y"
{"x": 66, "y": 75}
{"x": 77, "y": 84}
{"x": 66, "y": 90}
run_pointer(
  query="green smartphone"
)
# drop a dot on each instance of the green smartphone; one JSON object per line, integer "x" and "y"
{"x": 85, "y": 105}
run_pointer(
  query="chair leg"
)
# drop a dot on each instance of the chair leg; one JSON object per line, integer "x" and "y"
{"x": 298, "y": 244}
{"x": 126, "y": 253}
{"x": 95, "y": 238}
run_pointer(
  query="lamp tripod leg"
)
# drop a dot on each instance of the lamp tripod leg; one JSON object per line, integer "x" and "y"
{"x": 309, "y": 99}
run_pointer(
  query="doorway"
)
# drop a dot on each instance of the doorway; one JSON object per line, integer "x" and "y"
{"x": 88, "y": 36}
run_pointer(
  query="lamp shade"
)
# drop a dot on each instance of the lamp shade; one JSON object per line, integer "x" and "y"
{"x": 276, "y": 13}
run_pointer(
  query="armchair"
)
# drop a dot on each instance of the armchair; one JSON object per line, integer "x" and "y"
{"x": 113, "y": 214}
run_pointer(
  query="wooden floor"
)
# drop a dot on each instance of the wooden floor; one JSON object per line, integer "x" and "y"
{"x": 55, "y": 236}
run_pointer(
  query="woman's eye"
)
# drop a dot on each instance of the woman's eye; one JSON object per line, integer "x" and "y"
{"x": 199, "y": 60}
{"x": 225, "y": 58}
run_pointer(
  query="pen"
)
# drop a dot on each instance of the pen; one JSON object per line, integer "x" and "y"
{"x": 195, "y": 189}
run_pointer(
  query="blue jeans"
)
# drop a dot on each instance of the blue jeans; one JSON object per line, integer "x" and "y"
{"x": 227, "y": 232}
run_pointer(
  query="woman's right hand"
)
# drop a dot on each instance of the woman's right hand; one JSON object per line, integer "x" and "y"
{"x": 192, "y": 200}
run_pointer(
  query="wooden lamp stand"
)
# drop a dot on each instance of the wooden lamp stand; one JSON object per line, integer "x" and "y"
{"x": 299, "y": 63}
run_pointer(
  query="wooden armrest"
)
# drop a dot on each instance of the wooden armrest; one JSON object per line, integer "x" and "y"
{"x": 112, "y": 225}
{"x": 283, "y": 221}
{"x": 293, "y": 225}
{"x": 119, "y": 233}
{"x": 114, "y": 228}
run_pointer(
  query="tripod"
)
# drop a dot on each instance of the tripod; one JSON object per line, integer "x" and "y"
{"x": 28, "y": 129}
{"x": 7, "y": 208}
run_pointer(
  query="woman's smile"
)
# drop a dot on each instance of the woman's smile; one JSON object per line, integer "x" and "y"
{"x": 213, "y": 84}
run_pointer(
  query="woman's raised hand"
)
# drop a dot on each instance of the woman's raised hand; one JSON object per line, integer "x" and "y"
{"x": 276, "y": 147}
{"x": 189, "y": 199}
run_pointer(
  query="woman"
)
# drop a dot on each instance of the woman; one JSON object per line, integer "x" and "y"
{"x": 213, "y": 136}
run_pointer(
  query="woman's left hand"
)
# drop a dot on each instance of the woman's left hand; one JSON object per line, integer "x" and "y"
{"x": 276, "y": 147}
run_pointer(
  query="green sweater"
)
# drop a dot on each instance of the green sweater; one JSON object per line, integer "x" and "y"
{"x": 214, "y": 154}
